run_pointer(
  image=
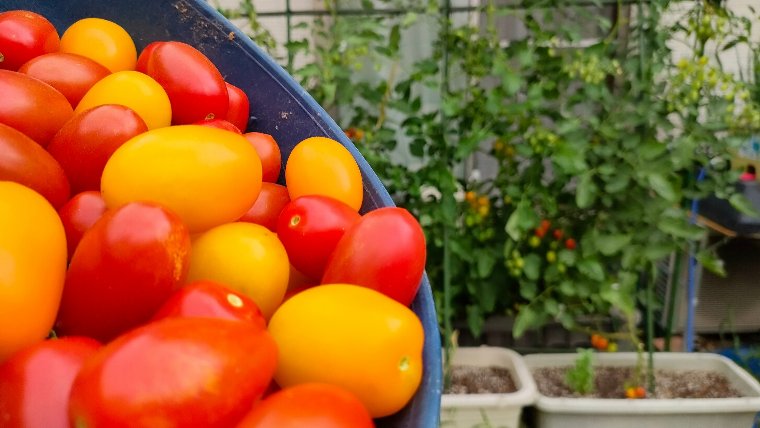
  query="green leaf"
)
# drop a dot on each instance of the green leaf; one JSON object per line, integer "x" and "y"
{"x": 710, "y": 261}
{"x": 586, "y": 192}
{"x": 511, "y": 81}
{"x": 527, "y": 318}
{"x": 569, "y": 159}
{"x": 532, "y": 267}
{"x": 528, "y": 290}
{"x": 743, "y": 205}
{"x": 567, "y": 257}
{"x": 475, "y": 320}
{"x": 409, "y": 19}
{"x": 657, "y": 251}
{"x": 520, "y": 219}
{"x": 485, "y": 263}
{"x": 651, "y": 150}
{"x": 680, "y": 228}
{"x": 592, "y": 269}
{"x": 613, "y": 243}
{"x": 662, "y": 186}
{"x": 619, "y": 295}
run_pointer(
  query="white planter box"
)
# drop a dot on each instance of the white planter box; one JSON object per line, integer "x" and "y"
{"x": 492, "y": 410}
{"x": 651, "y": 413}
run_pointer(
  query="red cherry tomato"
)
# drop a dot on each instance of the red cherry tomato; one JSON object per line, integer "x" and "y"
{"x": 205, "y": 298}
{"x": 194, "y": 85}
{"x": 86, "y": 142}
{"x": 268, "y": 206}
{"x": 269, "y": 153}
{"x": 35, "y": 382}
{"x": 32, "y": 106}
{"x": 78, "y": 215}
{"x": 385, "y": 251}
{"x": 313, "y": 405}
{"x": 310, "y": 228}
{"x": 219, "y": 123}
{"x": 23, "y": 36}
{"x": 124, "y": 268}
{"x": 570, "y": 243}
{"x": 24, "y": 161}
{"x": 71, "y": 74}
{"x": 239, "y": 107}
{"x": 178, "y": 372}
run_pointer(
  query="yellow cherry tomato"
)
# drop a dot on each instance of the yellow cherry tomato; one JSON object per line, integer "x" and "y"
{"x": 103, "y": 41}
{"x": 208, "y": 176}
{"x": 32, "y": 267}
{"x": 135, "y": 90}
{"x": 353, "y": 337}
{"x": 248, "y": 258}
{"x": 323, "y": 166}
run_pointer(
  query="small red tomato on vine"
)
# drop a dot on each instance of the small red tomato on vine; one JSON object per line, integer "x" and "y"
{"x": 539, "y": 232}
{"x": 545, "y": 224}
{"x": 599, "y": 342}
{"x": 570, "y": 244}
{"x": 558, "y": 233}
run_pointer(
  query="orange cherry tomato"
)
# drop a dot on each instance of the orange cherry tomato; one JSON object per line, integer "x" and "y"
{"x": 103, "y": 41}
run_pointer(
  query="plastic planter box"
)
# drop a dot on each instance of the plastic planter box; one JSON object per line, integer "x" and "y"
{"x": 497, "y": 410}
{"x": 651, "y": 413}
{"x": 279, "y": 107}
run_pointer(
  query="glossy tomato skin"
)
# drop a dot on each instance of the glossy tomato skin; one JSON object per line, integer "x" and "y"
{"x": 356, "y": 338}
{"x": 178, "y": 372}
{"x": 32, "y": 106}
{"x": 78, "y": 215}
{"x": 35, "y": 382}
{"x": 394, "y": 261}
{"x": 239, "y": 110}
{"x": 132, "y": 89}
{"x": 269, "y": 153}
{"x": 24, "y": 161}
{"x": 272, "y": 199}
{"x": 313, "y": 405}
{"x": 323, "y": 166}
{"x": 85, "y": 143}
{"x": 25, "y": 35}
{"x": 72, "y": 75}
{"x": 219, "y": 123}
{"x": 101, "y": 40}
{"x": 310, "y": 228}
{"x": 195, "y": 86}
{"x": 33, "y": 245}
{"x": 211, "y": 299}
{"x": 124, "y": 268}
{"x": 214, "y": 176}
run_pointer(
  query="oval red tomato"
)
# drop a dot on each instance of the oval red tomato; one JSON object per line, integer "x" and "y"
{"x": 178, "y": 372}
{"x": 124, "y": 268}
{"x": 72, "y": 75}
{"x": 205, "y": 298}
{"x": 194, "y": 85}
{"x": 238, "y": 111}
{"x": 85, "y": 143}
{"x": 310, "y": 228}
{"x": 35, "y": 382}
{"x": 313, "y": 405}
{"x": 269, "y": 153}
{"x": 24, "y": 161}
{"x": 25, "y": 35}
{"x": 32, "y": 106}
{"x": 385, "y": 250}
{"x": 270, "y": 202}
{"x": 78, "y": 215}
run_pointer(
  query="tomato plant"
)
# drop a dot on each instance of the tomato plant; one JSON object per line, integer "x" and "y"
{"x": 72, "y": 75}
{"x": 78, "y": 215}
{"x": 356, "y": 338}
{"x": 85, "y": 143}
{"x": 35, "y": 382}
{"x": 310, "y": 228}
{"x": 32, "y": 106}
{"x": 124, "y": 268}
{"x": 31, "y": 236}
{"x": 272, "y": 199}
{"x": 213, "y": 178}
{"x": 269, "y": 153}
{"x": 322, "y": 166}
{"x": 394, "y": 263}
{"x": 24, "y": 161}
{"x": 195, "y": 87}
{"x": 101, "y": 40}
{"x": 175, "y": 372}
{"x": 25, "y": 35}
{"x": 313, "y": 405}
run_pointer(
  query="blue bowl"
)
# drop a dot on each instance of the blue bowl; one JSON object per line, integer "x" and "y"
{"x": 279, "y": 106}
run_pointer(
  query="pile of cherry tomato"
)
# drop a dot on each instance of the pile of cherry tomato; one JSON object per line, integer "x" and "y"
{"x": 157, "y": 269}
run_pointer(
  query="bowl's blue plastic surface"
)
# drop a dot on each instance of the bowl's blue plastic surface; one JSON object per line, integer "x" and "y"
{"x": 279, "y": 106}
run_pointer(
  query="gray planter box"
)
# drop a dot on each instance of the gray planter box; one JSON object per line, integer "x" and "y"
{"x": 651, "y": 413}
{"x": 491, "y": 410}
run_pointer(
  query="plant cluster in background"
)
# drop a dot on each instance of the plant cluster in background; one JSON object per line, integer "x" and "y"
{"x": 593, "y": 137}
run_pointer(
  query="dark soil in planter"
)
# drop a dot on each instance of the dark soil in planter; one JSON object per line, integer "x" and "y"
{"x": 480, "y": 380}
{"x": 609, "y": 383}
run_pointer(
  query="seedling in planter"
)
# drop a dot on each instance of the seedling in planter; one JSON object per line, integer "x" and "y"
{"x": 581, "y": 377}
